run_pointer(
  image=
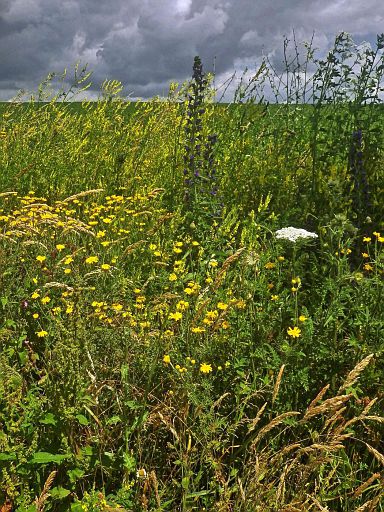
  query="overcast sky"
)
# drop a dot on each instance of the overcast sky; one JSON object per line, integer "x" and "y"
{"x": 146, "y": 44}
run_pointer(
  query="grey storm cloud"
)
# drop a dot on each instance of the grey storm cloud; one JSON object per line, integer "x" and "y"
{"x": 146, "y": 44}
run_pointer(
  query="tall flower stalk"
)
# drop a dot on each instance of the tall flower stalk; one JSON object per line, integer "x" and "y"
{"x": 200, "y": 174}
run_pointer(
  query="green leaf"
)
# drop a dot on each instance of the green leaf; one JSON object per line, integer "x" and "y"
{"x": 23, "y": 356}
{"x": 7, "y": 456}
{"x": 75, "y": 474}
{"x": 86, "y": 451}
{"x": 113, "y": 420}
{"x": 58, "y": 493}
{"x": 185, "y": 482}
{"x": 49, "y": 419}
{"x": 46, "y": 458}
{"x": 31, "y": 508}
{"x": 198, "y": 493}
{"x": 76, "y": 507}
{"x": 132, "y": 405}
{"x": 129, "y": 462}
{"x": 82, "y": 419}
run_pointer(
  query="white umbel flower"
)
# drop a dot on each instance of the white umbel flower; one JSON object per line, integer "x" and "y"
{"x": 294, "y": 234}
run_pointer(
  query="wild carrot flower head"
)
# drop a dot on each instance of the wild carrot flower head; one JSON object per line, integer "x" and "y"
{"x": 294, "y": 234}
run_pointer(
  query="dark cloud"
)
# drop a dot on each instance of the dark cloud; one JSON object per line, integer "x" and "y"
{"x": 146, "y": 44}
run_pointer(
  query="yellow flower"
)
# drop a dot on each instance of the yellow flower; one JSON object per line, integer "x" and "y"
{"x": 205, "y": 368}
{"x": 35, "y": 295}
{"x": 68, "y": 260}
{"x": 105, "y": 243}
{"x": 222, "y": 306}
{"x": 212, "y": 315}
{"x": 91, "y": 259}
{"x": 376, "y": 234}
{"x": 41, "y": 258}
{"x": 197, "y": 330}
{"x": 380, "y": 239}
{"x": 213, "y": 263}
{"x": 175, "y": 316}
{"x": 100, "y": 234}
{"x": 45, "y": 300}
{"x": 172, "y": 277}
{"x": 367, "y": 239}
{"x": 365, "y": 255}
{"x": 281, "y": 258}
{"x": 67, "y": 270}
{"x": 176, "y": 250}
{"x": 269, "y": 265}
{"x": 274, "y": 297}
{"x": 166, "y": 359}
{"x": 368, "y": 267}
{"x": 69, "y": 309}
{"x": 225, "y": 325}
{"x": 182, "y": 305}
{"x": 41, "y": 334}
{"x": 35, "y": 316}
{"x": 60, "y": 247}
{"x": 294, "y": 332}
{"x": 302, "y": 318}
{"x": 105, "y": 266}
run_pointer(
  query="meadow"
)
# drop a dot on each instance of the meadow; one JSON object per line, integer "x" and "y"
{"x": 164, "y": 346}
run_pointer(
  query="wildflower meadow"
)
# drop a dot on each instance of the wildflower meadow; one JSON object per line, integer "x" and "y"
{"x": 192, "y": 294}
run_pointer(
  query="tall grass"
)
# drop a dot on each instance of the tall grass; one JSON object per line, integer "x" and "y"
{"x": 160, "y": 347}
